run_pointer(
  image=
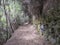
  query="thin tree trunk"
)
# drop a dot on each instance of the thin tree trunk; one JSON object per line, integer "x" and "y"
{"x": 7, "y": 19}
{"x": 12, "y": 30}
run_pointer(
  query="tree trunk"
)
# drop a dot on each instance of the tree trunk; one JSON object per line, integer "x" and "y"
{"x": 7, "y": 20}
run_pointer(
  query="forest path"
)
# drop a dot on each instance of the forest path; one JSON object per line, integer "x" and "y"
{"x": 26, "y": 35}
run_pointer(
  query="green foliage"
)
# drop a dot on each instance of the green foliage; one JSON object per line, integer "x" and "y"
{"x": 53, "y": 30}
{"x": 13, "y": 10}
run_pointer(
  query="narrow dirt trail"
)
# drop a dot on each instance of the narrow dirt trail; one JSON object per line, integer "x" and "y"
{"x": 26, "y": 35}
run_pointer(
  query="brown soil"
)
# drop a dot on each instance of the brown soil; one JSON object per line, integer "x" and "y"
{"x": 26, "y": 35}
